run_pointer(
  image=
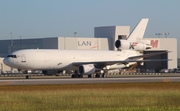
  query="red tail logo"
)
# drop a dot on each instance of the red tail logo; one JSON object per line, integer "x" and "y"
{"x": 154, "y": 43}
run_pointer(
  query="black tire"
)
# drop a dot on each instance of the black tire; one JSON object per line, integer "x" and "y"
{"x": 80, "y": 76}
{"x": 77, "y": 76}
{"x": 73, "y": 76}
{"x": 97, "y": 76}
{"x": 27, "y": 76}
{"x": 102, "y": 75}
{"x": 90, "y": 76}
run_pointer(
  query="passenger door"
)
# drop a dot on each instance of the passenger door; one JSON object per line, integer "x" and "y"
{"x": 23, "y": 58}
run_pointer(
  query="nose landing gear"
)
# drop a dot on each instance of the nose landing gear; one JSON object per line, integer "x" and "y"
{"x": 28, "y": 74}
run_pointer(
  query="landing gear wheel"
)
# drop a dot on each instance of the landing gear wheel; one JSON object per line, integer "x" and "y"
{"x": 90, "y": 76}
{"x": 103, "y": 75}
{"x": 76, "y": 76}
{"x": 97, "y": 75}
{"x": 27, "y": 76}
{"x": 73, "y": 76}
{"x": 80, "y": 76}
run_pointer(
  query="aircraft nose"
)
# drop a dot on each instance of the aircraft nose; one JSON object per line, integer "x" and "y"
{"x": 6, "y": 61}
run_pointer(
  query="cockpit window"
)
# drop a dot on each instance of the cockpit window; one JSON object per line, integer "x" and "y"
{"x": 13, "y": 56}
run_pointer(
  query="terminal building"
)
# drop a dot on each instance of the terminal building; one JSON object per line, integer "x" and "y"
{"x": 104, "y": 39}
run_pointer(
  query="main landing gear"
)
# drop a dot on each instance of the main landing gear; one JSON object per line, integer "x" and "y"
{"x": 76, "y": 75}
{"x": 97, "y": 75}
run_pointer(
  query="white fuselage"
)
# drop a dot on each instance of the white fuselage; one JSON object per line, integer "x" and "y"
{"x": 54, "y": 59}
{"x": 43, "y": 59}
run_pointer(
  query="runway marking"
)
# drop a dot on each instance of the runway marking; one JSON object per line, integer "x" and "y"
{"x": 166, "y": 80}
{"x": 5, "y": 83}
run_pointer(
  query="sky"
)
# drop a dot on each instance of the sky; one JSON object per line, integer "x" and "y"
{"x": 52, "y": 18}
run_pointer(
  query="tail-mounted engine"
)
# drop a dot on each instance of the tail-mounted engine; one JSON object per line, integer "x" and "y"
{"x": 134, "y": 45}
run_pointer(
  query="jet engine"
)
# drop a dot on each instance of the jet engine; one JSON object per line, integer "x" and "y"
{"x": 134, "y": 45}
{"x": 87, "y": 69}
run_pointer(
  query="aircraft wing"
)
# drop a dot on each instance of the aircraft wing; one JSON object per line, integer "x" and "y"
{"x": 148, "y": 55}
{"x": 130, "y": 59}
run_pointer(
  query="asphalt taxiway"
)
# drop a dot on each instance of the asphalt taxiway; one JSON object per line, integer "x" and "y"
{"x": 87, "y": 80}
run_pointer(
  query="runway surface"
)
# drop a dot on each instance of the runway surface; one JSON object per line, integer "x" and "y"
{"x": 87, "y": 80}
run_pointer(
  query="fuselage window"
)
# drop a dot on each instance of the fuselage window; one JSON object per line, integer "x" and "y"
{"x": 9, "y": 56}
{"x": 13, "y": 56}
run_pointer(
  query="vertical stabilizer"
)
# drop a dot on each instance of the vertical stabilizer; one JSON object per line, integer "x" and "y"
{"x": 139, "y": 30}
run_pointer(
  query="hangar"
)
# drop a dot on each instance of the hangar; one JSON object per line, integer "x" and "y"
{"x": 104, "y": 39}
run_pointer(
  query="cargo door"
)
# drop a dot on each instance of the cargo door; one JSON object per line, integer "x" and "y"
{"x": 43, "y": 61}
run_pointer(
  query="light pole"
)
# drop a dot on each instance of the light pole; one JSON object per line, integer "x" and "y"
{"x": 11, "y": 42}
{"x": 158, "y": 34}
{"x": 20, "y": 42}
{"x": 166, "y": 34}
{"x": 75, "y": 34}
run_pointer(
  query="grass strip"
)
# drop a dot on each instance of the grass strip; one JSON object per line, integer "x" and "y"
{"x": 96, "y": 97}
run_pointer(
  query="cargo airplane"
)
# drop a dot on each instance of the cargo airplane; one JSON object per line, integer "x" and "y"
{"x": 83, "y": 61}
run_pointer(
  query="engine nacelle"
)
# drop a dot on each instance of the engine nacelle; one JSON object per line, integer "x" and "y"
{"x": 87, "y": 69}
{"x": 134, "y": 45}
